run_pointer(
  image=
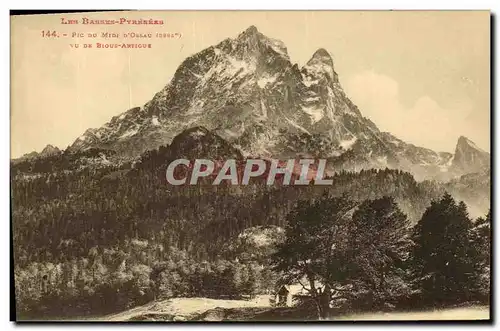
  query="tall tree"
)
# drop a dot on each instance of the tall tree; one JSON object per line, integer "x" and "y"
{"x": 443, "y": 255}
{"x": 346, "y": 250}
{"x": 377, "y": 246}
{"x": 481, "y": 239}
{"x": 312, "y": 229}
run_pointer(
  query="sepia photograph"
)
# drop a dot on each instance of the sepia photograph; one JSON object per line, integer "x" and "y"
{"x": 251, "y": 166}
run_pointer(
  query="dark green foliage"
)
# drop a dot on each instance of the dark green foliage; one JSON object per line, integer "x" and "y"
{"x": 64, "y": 214}
{"x": 313, "y": 229}
{"x": 375, "y": 253}
{"x": 108, "y": 281}
{"x": 481, "y": 239}
{"x": 444, "y": 256}
{"x": 77, "y": 218}
{"x": 354, "y": 252}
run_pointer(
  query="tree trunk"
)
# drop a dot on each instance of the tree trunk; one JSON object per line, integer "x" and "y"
{"x": 324, "y": 301}
{"x": 320, "y": 310}
{"x": 320, "y": 298}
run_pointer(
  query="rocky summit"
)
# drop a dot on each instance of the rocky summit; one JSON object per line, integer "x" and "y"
{"x": 248, "y": 91}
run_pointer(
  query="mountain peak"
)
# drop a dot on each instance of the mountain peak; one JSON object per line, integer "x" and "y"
{"x": 50, "y": 150}
{"x": 256, "y": 42}
{"x": 322, "y": 52}
{"x": 321, "y": 63}
{"x": 252, "y": 29}
{"x": 469, "y": 157}
{"x": 321, "y": 56}
{"x": 250, "y": 33}
{"x": 267, "y": 106}
{"x": 464, "y": 142}
{"x": 463, "y": 139}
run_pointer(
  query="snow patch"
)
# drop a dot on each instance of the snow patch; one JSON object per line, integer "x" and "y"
{"x": 129, "y": 133}
{"x": 395, "y": 142}
{"x": 104, "y": 159}
{"x": 196, "y": 75}
{"x": 262, "y": 82}
{"x": 347, "y": 144}
{"x": 196, "y": 108}
{"x": 312, "y": 99}
{"x": 450, "y": 161}
{"x": 277, "y": 45}
{"x": 308, "y": 82}
{"x": 235, "y": 133}
{"x": 317, "y": 68}
{"x": 446, "y": 167}
{"x": 313, "y": 111}
{"x": 231, "y": 133}
{"x": 239, "y": 66}
{"x": 197, "y": 134}
{"x": 296, "y": 125}
{"x": 263, "y": 108}
{"x": 382, "y": 160}
{"x": 155, "y": 121}
{"x": 424, "y": 163}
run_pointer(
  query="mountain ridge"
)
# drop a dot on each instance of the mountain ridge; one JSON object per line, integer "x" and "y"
{"x": 248, "y": 91}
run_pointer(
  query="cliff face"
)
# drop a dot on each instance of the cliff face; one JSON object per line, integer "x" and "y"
{"x": 247, "y": 91}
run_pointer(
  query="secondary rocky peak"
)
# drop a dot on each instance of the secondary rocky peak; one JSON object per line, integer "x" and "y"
{"x": 321, "y": 63}
{"x": 465, "y": 143}
{"x": 50, "y": 150}
{"x": 28, "y": 156}
{"x": 321, "y": 56}
{"x": 462, "y": 140}
{"x": 469, "y": 157}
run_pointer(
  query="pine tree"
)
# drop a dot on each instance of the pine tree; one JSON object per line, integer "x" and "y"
{"x": 443, "y": 255}
{"x": 377, "y": 248}
{"x": 481, "y": 239}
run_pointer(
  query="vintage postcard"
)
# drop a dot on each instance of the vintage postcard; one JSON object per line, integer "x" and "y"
{"x": 251, "y": 165}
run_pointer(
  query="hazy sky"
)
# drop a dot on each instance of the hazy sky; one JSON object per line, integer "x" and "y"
{"x": 423, "y": 76}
